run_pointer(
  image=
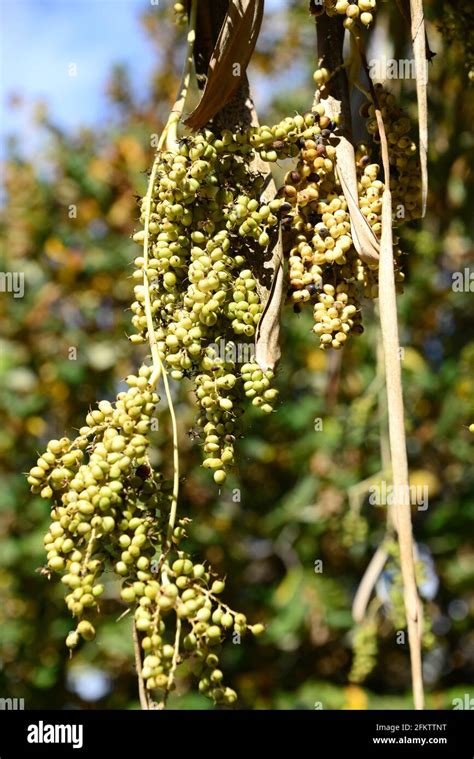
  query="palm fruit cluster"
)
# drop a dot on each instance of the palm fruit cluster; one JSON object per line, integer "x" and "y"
{"x": 324, "y": 268}
{"x": 209, "y": 234}
{"x": 220, "y": 409}
{"x": 110, "y": 513}
{"x": 105, "y": 497}
{"x": 365, "y": 650}
{"x": 361, "y": 11}
{"x": 354, "y": 528}
{"x": 180, "y": 14}
{"x": 405, "y": 177}
{"x": 182, "y": 589}
{"x": 390, "y": 593}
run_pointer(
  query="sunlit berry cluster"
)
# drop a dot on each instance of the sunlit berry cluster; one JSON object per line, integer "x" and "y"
{"x": 405, "y": 177}
{"x": 324, "y": 268}
{"x": 110, "y": 517}
{"x": 362, "y": 10}
{"x": 209, "y": 236}
{"x": 105, "y": 496}
{"x": 185, "y": 591}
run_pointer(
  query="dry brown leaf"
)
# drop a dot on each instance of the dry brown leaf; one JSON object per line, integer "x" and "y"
{"x": 396, "y": 425}
{"x": 365, "y": 242}
{"x": 269, "y": 276}
{"x": 229, "y": 60}
{"x": 267, "y": 343}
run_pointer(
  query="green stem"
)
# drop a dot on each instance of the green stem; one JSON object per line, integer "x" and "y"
{"x": 177, "y": 110}
{"x": 174, "y": 497}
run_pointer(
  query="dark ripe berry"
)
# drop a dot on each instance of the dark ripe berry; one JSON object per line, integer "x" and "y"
{"x": 323, "y": 233}
{"x": 297, "y": 308}
{"x": 143, "y": 471}
{"x": 332, "y": 126}
{"x": 326, "y": 133}
{"x": 285, "y": 208}
{"x": 295, "y": 177}
{"x": 357, "y": 329}
{"x": 321, "y": 150}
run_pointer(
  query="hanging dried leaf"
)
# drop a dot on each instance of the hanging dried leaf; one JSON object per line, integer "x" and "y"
{"x": 365, "y": 242}
{"x": 269, "y": 275}
{"x": 398, "y": 453}
{"x": 230, "y": 58}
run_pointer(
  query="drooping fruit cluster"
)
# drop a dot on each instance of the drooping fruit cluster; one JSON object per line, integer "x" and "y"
{"x": 365, "y": 650}
{"x": 390, "y": 596}
{"x": 209, "y": 235}
{"x": 180, "y": 14}
{"x": 104, "y": 497}
{"x": 362, "y": 11}
{"x": 324, "y": 268}
{"x": 111, "y": 513}
{"x": 183, "y": 590}
{"x": 405, "y": 177}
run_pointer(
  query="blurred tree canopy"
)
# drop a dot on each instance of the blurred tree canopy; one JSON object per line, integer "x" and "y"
{"x": 66, "y": 224}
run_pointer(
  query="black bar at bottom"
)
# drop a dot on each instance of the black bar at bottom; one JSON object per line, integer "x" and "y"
{"x": 372, "y": 733}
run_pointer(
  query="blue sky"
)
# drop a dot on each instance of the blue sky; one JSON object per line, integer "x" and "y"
{"x": 41, "y": 38}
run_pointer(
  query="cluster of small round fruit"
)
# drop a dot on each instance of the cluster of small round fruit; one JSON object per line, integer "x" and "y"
{"x": 219, "y": 397}
{"x": 180, "y": 14}
{"x": 365, "y": 650}
{"x": 207, "y": 228}
{"x": 362, "y": 11}
{"x": 111, "y": 512}
{"x": 208, "y": 234}
{"x": 354, "y": 528}
{"x": 324, "y": 268}
{"x": 189, "y": 591}
{"x": 405, "y": 176}
{"x": 105, "y": 498}
{"x": 335, "y": 316}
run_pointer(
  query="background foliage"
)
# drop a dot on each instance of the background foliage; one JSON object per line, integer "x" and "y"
{"x": 293, "y": 478}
